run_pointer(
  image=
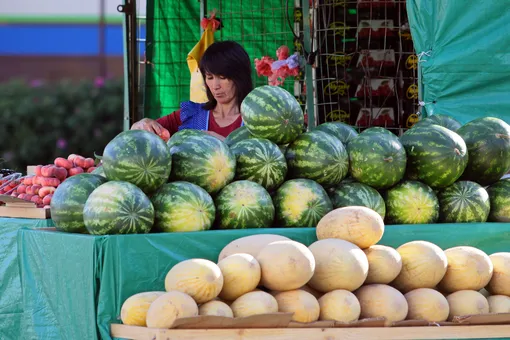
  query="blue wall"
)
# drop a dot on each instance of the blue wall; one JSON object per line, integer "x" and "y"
{"x": 60, "y": 39}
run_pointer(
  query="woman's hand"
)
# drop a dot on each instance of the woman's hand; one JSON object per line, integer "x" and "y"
{"x": 151, "y": 125}
{"x": 214, "y": 134}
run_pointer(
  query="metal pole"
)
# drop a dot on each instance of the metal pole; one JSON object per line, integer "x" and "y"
{"x": 310, "y": 99}
{"x": 102, "y": 39}
{"x": 125, "y": 121}
{"x": 203, "y": 13}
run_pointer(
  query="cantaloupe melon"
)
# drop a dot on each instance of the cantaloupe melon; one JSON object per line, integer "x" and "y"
{"x": 169, "y": 307}
{"x": 378, "y": 300}
{"x": 427, "y": 304}
{"x": 339, "y": 264}
{"x": 423, "y": 266}
{"x": 384, "y": 264}
{"x": 306, "y": 288}
{"x": 469, "y": 268}
{"x": 359, "y": 225}
{"x": 339, "y": 305}
{"x": 500, "y": 281}
{"x": 134, "y": 309}
{"x": 254, "y": 303}
{"x": 286, "y": 265}
{"x": 199, "y": 278}
{"x": 241, "y": 274}
{"x": 250, "y": 244}
{"x": 467, "y": 302}
{"x": 303, "y": 304}
{"x": 216, "y": 307}
{"x": 499, "y": 304}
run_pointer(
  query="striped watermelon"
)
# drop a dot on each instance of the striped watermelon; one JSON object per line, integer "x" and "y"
{"x": 272, "y": 112}
{"x": 441, "y": 120}
{"x": 377, "y": 159}
{"x": 99, "y": 171}
{"x": 378, "y": 129}
{"x": 301, "y": 203}
{"x": 342, "y": 131}
{"x": 499, "y": 195}
{"x": 237, "y": 135}
{"x": 118, "y": 207}
{"x": 318, "y": 156}
{"x": 182, "y": 206}
{"x": 283, "y": 148}
{"x": 138, "y": 157}
{"x": 180, "y": 136}
{"x": 411, "y": 202}
{"x": 205, "y": 161}
{"x": 435, "y": 155}
{"x": 488, "y": 143}
{"x": 348, "y": 194}
{"x": 464, "y": 202}
{"x": 69, "y": 199}
{"x": 261, "y": 161}
{"x": 244, "y": 204}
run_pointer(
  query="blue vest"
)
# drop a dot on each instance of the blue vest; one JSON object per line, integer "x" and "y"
{"x": 194, "y": 116}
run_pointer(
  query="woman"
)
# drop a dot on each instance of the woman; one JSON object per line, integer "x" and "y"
{"x": 226, "y": 69}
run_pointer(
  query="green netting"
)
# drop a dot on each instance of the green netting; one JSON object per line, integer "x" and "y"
{"x": 173, "y": 28}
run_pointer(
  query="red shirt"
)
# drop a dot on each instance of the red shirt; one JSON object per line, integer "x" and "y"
{"x": 172, "y": 122}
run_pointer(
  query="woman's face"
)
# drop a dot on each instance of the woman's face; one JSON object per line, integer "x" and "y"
{"x": 222, "y": 89}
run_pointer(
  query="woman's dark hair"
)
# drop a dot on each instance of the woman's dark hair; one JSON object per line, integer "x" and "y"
{"x": 230, "y": 60}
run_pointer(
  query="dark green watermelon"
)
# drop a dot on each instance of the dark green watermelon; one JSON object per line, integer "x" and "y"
{"x": 342, "y": 131}
{"x": 244, "y": 205}
{"x": 435, "y": 155}
{"x": 411, "y": 202}
{"x": 301, "y": 203}
{"x": 283, "y": 148}
{"x": 464, "y": 202}
{"x": 377, "y": 159}
{"x": 377, "y": 129}
{"x": 182, "y": 206}
{"x": 488, "y": 144}
{"x": 118, "y": 207}
{"x": 180, "y": 136}
{"x": 138, "y": 157}
{"x": 348, "y": 194}
{"x": 318, "y": 156}
{"x": 273, "y": 113}
{"x": 237, "y": 135}
{"x": 99, "y": 171}
{"x": 205, "y": 161}
{"x": 261, "y": 161}
{"x": 499, "y": 195}
{"x": 441, "y": 120}
{"x": 69, "y": 199}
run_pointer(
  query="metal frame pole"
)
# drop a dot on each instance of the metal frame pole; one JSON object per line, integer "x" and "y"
{"x": 310, "y": 99}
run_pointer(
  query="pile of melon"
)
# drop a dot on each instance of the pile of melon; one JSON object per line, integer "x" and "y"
{"x": 344, "y": 276}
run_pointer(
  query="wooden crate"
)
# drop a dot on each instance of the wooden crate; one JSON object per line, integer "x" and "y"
{"x": 15, "y": 207}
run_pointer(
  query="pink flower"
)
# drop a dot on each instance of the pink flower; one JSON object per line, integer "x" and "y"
{"x": 263, "y": 66}
{"x": 99, "y": 82}
{"x": 282, "y": 52}
{"x": 61, "y": 143}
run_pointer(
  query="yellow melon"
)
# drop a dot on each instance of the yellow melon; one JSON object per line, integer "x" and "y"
{"x": 286, "y": 265}
{"x": 201, "y": 279}
{"x": 339, "y": 264}
{"x": 500, "y": 281}
{"x": 216, "y": 307}
{"x": 427, "y": 304}
{"x": 467, "y": 302}
{"x": 303, "y": 304}
{"x": 339, "y": 305}
{"x": 241, "y": 274}
{"x": 499, "y": 304}
{"x": 384, "y": 264}
{"x": 468, "y": 269}
{"x": 134, "y": 309}
{"x": 254, "y": 303}
{"x": 423, "y": 266}
{"x": 169, "y": 307}
{"x": 359, "y": 225}
{"x": 378, "y": 300}
{"x": 249, "y": 245}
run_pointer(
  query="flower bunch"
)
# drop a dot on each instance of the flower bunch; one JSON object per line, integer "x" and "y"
{"x": 277, "y": 70}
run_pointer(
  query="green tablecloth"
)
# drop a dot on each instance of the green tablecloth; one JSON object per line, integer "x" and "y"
{"x": 11, "y": 307}
{"x": 75, "y": 283}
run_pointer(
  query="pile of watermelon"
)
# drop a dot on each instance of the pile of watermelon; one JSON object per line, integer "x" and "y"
{"x": 273, "y": 173}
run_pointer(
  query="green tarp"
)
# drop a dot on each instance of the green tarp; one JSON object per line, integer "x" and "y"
{"x": 70, "y": 279}
{"x": 11, "y": 306}
{"x": 464, "y": 50}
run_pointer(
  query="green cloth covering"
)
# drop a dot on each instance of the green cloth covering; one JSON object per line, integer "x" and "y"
{"x": 11, "y": 306}
{"x": 70, "y": 279}
{"x": 466, "y": 68}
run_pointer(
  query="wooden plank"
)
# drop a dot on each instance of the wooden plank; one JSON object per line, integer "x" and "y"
{"x": 379, "y": 333}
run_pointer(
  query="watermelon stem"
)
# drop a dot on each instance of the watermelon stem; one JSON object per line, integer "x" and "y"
{"x": 500, "y": 135}
{"x": 388, "y": 159}
{"x": 457, "y": 151}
